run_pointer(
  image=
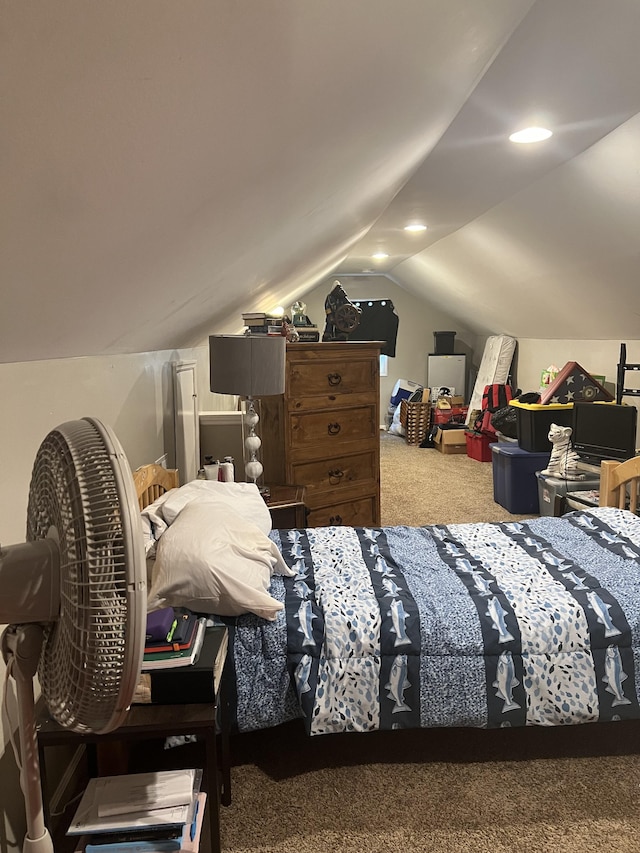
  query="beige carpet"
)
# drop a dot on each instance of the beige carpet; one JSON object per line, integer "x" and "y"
{"x": 442, "y": 791}
{"x": 423, "y": 486}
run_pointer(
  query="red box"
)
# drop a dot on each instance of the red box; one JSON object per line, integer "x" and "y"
{"x": 478, "y": 446}
{"x": 453, "y": 415}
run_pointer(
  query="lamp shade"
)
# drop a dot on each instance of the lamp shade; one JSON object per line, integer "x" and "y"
{"x": 247, "y": 365}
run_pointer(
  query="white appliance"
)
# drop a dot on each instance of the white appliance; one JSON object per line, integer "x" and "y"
{"x": 447, "y": 371}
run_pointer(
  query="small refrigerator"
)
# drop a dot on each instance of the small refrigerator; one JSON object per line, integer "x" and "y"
{"x": 449, "y": 371}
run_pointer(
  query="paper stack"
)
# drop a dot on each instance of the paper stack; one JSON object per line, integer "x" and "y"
{"x": 158, "y": 812}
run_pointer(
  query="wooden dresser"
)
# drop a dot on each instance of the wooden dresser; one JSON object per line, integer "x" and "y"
{"x": 323, "y": 433}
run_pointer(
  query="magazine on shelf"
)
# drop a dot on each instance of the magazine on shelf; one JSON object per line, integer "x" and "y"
{"x": 149, "y": 804}
{"x": 185, "y": 838}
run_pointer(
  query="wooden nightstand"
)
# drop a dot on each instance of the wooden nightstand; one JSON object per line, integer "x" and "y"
{"x": 286, "y": 505}
{"x": 152, "y": 721}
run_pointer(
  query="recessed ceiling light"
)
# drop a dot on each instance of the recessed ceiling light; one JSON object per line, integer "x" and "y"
{"x": 415, "y": 226}
{"x": 380, "y": 256}
{"x": 531, "y": 134}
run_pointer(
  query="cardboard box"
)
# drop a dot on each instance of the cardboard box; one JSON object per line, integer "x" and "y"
{"x": 451, "y": 441}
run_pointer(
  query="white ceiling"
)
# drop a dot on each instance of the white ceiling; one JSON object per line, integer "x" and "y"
{"x": 166, "y": 165}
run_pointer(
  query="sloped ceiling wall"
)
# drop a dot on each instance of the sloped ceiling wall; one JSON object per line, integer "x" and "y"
{"x": 168, "y": 159}
{"x": 561, "y": 259}
{"x": 164, "y": 163}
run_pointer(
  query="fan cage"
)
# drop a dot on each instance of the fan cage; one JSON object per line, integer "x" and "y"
{"x": 92, "y": 652}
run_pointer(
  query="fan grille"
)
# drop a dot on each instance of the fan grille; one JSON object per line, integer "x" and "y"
{"x": 76, "y": 497}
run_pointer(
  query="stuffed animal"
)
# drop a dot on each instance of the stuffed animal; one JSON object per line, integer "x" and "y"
{"x": 564, "y": 459}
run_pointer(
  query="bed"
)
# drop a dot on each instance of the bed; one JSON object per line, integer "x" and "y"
{"x": 359, "y": 629}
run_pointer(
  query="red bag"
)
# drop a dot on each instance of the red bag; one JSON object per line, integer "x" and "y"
{"x": 495, "y": 397}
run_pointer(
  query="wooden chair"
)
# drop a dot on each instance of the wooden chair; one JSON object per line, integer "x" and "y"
{"x": 619, "y": 480}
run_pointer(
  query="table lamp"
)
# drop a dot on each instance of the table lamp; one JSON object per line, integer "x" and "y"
{"x": 251, "y": 366}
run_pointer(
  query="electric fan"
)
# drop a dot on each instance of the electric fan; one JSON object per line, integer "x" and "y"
{"x": 74, "y": 597}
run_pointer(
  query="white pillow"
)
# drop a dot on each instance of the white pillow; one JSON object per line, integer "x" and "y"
{"x": 243, "y": 498}
{"x": 153, "y": 524}
{"x": 211, "y": 560}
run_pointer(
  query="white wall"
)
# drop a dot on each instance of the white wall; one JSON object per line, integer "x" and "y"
{"x": 133, "y": 395}
{"x": 418, "y": 320}
{"x": 599, "y": 357}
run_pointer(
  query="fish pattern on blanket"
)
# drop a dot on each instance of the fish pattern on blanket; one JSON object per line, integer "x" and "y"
{"x": 353, "y": 631}
{"x": 520, "y": 623}
{"x": 542, "y": 616}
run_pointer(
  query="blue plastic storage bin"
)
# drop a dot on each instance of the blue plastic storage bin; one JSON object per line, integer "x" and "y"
{"x": 515, "y": 485}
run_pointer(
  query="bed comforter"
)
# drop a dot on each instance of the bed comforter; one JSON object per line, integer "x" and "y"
{"x": 486, "y": 625}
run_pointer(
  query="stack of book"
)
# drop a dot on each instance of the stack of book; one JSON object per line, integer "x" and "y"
{"x": 197, "y": 683}
{"x": 159, "y": 812}
{"x": 308, "y": 334}
{"x": 174, "y": 639}
{"x": 259, "y": 323}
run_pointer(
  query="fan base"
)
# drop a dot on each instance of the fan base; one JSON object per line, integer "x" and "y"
{"x": 44, "y": 844}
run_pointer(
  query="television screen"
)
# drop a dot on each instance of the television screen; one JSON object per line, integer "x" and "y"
{"x": 604, "y": 431}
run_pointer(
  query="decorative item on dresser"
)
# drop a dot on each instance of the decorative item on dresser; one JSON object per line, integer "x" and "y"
{"x": 323, "y": 434}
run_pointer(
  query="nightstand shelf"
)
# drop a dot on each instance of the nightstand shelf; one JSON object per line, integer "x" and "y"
{"x": 286, "y": 505}
{"x": 156, "y": 721}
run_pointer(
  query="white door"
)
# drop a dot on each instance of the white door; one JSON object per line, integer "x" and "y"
{"x": 186, "y": 422}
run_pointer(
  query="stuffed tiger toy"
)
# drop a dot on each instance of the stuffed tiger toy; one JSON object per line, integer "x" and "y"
{"x": 563, "y": 463}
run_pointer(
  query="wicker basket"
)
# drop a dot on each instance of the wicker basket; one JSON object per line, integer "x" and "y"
{"x": 416, "y": 419}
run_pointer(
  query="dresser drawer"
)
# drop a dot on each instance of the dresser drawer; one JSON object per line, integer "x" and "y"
{"x": 337, "y": 473}
{"x": 329, "y": 429}
{"x": 331, "y": 376}
{"x": 330, "y": 401}
{"x": 357, "y": 513}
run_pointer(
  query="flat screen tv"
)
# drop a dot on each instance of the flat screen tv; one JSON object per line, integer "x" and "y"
{"x": 604, "y": 431}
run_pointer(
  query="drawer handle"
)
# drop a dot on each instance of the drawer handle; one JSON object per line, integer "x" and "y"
{"x": 335, "y": 519}
{"x": 334, "y": 378}
{"x": 335, "y": 475}
{"x": 333, "y": 429}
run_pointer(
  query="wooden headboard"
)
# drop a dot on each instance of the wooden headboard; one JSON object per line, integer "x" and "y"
{"x": 151, "y": 481}
{"x": 619, "y": 479}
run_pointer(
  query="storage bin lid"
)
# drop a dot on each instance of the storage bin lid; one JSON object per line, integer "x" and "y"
{"x": 515, "y": 450}
{"x": 539, "y": 407}
{"x": 586, "y": 482}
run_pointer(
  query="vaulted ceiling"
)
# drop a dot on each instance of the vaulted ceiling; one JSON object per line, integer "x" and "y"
{"x": 166, "y": 164}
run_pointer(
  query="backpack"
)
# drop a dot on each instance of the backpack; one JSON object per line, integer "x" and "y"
{"x": 495, "y": 397}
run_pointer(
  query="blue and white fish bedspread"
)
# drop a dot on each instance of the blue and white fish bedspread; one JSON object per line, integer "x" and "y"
{"x": 486, "y": 625}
